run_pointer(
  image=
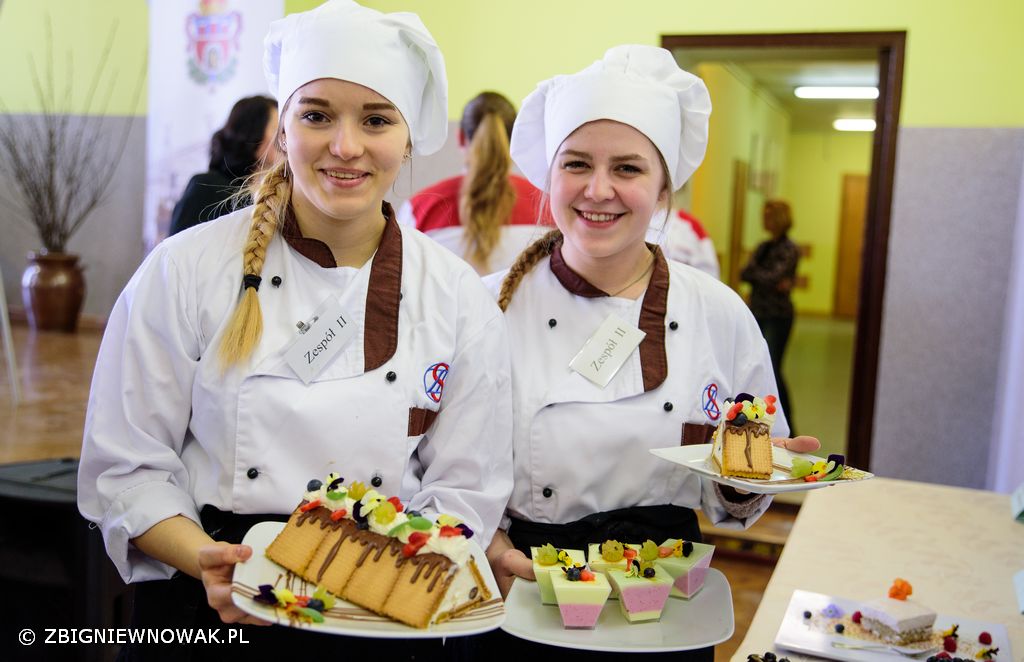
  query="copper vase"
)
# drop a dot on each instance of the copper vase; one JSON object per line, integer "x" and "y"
{"x": 53, "y": 290}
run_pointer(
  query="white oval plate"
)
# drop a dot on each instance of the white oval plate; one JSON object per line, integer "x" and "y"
{"x": 697, "y": 458}
{"x": 704, "y": 620}
{"x": 346, "y": 618}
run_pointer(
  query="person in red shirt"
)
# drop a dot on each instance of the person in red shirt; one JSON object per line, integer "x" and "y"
{"x": 488, "y": 215}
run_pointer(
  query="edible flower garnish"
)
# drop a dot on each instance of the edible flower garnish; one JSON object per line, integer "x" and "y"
{"x": 900, "y": 589}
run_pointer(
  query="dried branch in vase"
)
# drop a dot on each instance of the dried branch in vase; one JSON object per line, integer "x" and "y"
{"x": 61, "y": 165}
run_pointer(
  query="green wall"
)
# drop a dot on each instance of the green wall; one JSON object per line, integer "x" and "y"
{"x": 816, "y": 162}
{"x": 961, "y": 57}
{"x": 80, "y": 32}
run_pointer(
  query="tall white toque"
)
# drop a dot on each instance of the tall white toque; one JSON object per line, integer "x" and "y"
{"x": 392, "y": 54}
{"x": 641, "y": 86}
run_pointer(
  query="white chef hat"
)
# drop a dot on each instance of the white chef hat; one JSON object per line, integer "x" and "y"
{"x": 641, "y": 86}
{"x": 392, "y": 54}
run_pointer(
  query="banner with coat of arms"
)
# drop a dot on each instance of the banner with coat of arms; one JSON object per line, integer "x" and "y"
{"x": 204, "y": 55}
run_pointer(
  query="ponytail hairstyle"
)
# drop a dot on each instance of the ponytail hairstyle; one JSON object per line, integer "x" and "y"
{"x": 487, "y": 197}
{"x": 271, "y": 189}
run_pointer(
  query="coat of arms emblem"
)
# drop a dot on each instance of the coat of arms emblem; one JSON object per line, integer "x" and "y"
{"x": 213, "y": 42}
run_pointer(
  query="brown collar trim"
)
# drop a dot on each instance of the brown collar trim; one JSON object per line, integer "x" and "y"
{"x": 653, "y": 359}
{"x": 380, "y": 326}
{"x": 309, "y": 248}
{"x": 569, "y": 279}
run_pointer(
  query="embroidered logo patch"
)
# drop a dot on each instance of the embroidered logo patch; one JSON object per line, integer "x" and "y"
{"x": 709, "y": 402}
{"x": 433, "y": 380}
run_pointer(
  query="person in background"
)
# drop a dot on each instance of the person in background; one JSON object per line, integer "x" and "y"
{"x": 610, "y": 144}
{"x": 685, "y": 240}
{"x": 237, "y": 150}
{"x": 771, "y": 273}
{"x": 206, "y": 415}
{"x": 488, "y": 215}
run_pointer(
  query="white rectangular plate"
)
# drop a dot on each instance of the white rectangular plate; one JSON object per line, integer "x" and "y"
{"x": 346, "y": 618}
{"x": 704, "y": 620}
{"x": 697, "y": 458}
{"x": 798, "y": 634}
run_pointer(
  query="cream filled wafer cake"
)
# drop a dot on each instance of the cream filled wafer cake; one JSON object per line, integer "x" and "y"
{"x": 359, "y": 545}
{"x": 741, "y": 443}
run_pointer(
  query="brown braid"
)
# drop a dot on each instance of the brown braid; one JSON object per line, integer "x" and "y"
{"x": 524, "y": 263}
{"x": 272, "y": 194}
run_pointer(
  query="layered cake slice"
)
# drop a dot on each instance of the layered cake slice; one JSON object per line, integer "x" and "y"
{"x": 895, "y": 619}
{"x": 547, "y": 558}
{"x": 741, "y": 443}
{"x": 581, "y": 594}
{"x": 364, "y": 547}
{"x": 687, "y": 563}
{"x": 643, "y": 591}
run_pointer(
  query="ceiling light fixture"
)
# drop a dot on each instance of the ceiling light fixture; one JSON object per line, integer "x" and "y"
{"x": 817, "y": 92}
{"x": 854, "y": 125}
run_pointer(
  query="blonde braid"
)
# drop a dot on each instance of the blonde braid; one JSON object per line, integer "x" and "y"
{"x": 524, "y": 263}
{"x": 272, "y": 193}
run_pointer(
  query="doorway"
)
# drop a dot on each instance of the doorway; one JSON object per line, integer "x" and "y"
{"x": 887, "y": 48}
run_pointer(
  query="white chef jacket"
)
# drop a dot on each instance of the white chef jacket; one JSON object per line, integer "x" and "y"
{"x": 580, "y": 449}
{"x": 167, "y": 432}
{"x": 683, "y": 238}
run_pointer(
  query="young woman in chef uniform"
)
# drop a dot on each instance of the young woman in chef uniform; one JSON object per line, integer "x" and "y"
{"x": 304, "y": 335}
{"x": 609, "y": 145}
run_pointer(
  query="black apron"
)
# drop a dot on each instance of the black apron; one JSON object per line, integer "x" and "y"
{"x": 180, "y": 602}
{"x": 637, "y": 524}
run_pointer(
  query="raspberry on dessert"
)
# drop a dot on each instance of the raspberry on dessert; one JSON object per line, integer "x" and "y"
{"x": 985, "y": 638}
{"x": 949, "y": 644}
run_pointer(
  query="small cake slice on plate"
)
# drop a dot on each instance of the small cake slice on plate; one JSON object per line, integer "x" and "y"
{"x": 547, "y": 558}
{"x": 581, "y": 595}
{"x": 895, "y": 619}
{"x": 741, "y": 444}
{"x": 687, "y": 563}
{"x": 642, "y": 591}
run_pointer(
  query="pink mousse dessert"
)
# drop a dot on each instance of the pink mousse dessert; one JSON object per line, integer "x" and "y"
{"x": 642, "y": 591}
{"x": 688, "y": 564}
{"x": 581, "y": 595}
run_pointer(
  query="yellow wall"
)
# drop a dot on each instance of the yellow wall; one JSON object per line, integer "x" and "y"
{"x": 742, "y": 111}
{"x": 959, "y": 54}
{"x": 80, "y": 32}
{"x": 815, "y": 164}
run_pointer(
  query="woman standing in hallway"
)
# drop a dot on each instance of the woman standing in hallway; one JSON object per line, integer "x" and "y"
{"x": 201, "y": 420}
{"x": 487, "y": 215}
{"x": 771, "y": 274}
{"x": 610, "y": 144}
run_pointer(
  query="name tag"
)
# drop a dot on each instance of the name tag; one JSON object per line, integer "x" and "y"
{"x": 607, "y": 350}
{"x": 314, "y": 350}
